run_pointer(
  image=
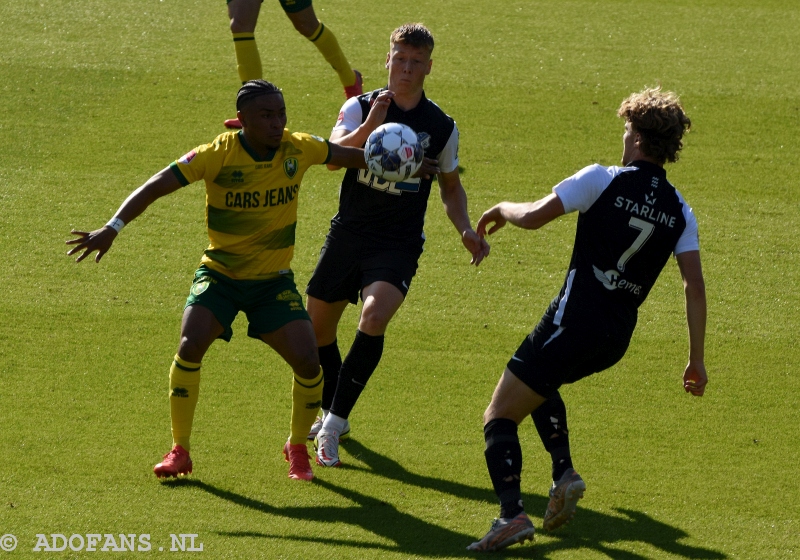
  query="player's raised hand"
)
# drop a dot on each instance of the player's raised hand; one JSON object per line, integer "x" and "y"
{"x": 493, "y": 216}
{"x": 476, "y": 245}
{"x": 695, "y": 378}
{"x": 378, "y": 109}
{"x": 99, "y": 240}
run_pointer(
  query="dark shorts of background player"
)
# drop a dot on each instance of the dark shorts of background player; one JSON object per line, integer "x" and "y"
{"x": 268, "y": 304}
{"x": 290, "y": 6}
{"x": 349, "y": 262}
{"x": 294, "y": 6}
{"x": 549, "y": 357}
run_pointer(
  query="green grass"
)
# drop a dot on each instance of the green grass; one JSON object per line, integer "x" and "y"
{"x": 98, "y": 95}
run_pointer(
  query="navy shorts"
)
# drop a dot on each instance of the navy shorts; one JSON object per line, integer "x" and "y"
{"x": 349, "y": 262}
{"x": 552, "y": 356}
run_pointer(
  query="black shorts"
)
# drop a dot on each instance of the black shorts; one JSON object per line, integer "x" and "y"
{"x": 551, "y": 355}
{"x": 290, "y": 6}
{"x": 294, "y": 6}
{"x": 349, "y": 262}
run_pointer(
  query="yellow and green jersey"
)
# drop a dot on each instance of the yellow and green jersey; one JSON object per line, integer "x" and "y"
{"x": 251, "y": 202}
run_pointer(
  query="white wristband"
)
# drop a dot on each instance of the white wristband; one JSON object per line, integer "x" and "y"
{"x": 116, "y": 224}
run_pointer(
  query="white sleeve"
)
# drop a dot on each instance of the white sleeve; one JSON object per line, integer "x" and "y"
{"x": 350, "y": 117}
{"x": 690, "y": 238}
{"x": 581, "y": 190}
{"x": 448, "y": 157}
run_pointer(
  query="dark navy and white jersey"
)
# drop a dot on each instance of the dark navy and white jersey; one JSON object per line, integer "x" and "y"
{"x": 631, "y": 219}
{"x": 394, "y": 213}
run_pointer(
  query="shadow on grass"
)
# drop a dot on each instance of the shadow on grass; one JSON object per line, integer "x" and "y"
{"x": 416, "y": 537}
{"x": 385, "y": 467}
{"x": 411, "y": 535}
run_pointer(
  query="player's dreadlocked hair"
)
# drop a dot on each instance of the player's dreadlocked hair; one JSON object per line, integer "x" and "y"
{"x": 414, "y": 35}
{"x": 659, "y": 118}
{"x": 253, "y": 89}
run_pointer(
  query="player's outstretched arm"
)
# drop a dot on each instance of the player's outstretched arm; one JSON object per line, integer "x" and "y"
{"x": 454, "y": 198}
{"x": 345, "y": 156}
{"x": 527, "y": 215}
{"x": 694, "y": 289}
{"x": 162, "y": 183}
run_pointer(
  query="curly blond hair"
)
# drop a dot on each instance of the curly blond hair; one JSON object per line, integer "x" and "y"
{"x": 659, "y": 118}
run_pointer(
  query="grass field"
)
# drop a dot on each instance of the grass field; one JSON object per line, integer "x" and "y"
{"x": 97, "y": 95}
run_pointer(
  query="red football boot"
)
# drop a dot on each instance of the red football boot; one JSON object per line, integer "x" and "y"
{"x": 297, "y": 457}
{"x": 175, "y": 462}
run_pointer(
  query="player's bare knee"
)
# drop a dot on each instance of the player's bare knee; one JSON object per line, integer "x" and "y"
{"x": 305, "y": 21}
{"x": 244, "y": 15}
{"x": 500, "y": 409}
{"x": 324, "y": 334}
{"x": 191, "y": 350}
{"x": 372, "y": 323}
{"x": 306, "y": 29}
{"x": 242, "y": 25}
{"x": 308, "y": 366}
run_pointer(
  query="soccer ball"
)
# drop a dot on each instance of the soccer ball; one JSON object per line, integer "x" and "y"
{"x": 393, "y": 152}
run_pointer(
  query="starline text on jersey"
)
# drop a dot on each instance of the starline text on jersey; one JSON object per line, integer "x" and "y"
{"x": 645, "y": 211}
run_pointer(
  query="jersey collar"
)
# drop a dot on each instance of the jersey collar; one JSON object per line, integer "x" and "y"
{"x": 421, "y": 103}
{"x": 651, "y": 167}
{"x": 251, "y": 152}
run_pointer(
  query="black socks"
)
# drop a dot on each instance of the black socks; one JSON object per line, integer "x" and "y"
{"x": 504, "y": 461}
{"x": 551, "y": 423}
{"x": 331, "y": 361}
{"x": 357, "y": 368}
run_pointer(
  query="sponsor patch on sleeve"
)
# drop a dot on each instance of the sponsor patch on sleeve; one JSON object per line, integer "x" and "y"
{"x": 187, "y": 158}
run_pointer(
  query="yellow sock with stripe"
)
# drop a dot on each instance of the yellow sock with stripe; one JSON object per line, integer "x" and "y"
{"x": 248, "y": 61}
{"x": 325, "y": 41}
{"x": 306, "y": 400}
{"x": 184, "y": 388}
